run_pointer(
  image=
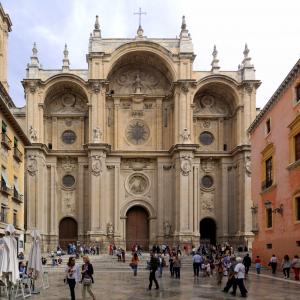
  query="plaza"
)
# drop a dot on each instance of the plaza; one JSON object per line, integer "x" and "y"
{"x": 115, "y": 281}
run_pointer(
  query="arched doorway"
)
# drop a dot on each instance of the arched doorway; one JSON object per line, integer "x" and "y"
{"x": 137, "y": 227}
{"x": 68, "y": 232}
{"x": 208, "y": 230}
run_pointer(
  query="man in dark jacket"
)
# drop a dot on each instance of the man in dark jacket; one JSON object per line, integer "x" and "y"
{"x": 247, "y": 263}
{"x": 153, "y": 265}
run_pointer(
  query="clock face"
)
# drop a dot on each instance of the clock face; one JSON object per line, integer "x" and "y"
{"x": 137, "y": 132}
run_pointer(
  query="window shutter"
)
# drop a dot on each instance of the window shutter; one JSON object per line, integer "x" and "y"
{"x": 297, "y": 146}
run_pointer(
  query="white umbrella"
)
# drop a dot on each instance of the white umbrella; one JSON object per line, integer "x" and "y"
{"x": 8, "y": 255}
{"x": 35, "y": 257}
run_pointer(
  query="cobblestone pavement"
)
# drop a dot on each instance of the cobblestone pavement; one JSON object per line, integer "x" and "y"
{"x": 115, "y": 281}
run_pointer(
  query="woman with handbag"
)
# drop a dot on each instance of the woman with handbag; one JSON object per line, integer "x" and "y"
{"x": 87, "y": 279}
{"x": 72, "y": 276}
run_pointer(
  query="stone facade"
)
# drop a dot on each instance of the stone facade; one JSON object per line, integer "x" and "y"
{"x": 139, "y": 127}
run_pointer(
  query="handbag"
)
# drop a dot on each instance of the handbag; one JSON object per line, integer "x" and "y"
{"x": 87, "y": 281}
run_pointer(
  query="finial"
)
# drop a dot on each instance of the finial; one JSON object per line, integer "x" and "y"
{"x": 140, "y": 31}
{"x": 215, "y": 62}
{"x": 97, "y": 26}
{"x": 246, "y": 51}
{"x": 34, "y": 50}
{"x": 97, "y": 31}
{"x": 183, "y": 24}
{"x": 66, "y": 61}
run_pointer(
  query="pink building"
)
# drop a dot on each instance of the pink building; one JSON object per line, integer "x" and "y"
{"x": 275, "y": 139}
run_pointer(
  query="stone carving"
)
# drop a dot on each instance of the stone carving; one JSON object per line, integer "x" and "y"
{"x": 68, "y": 164}
{"x": 138, "y": 164}
{"x": 137, "y": 132}
{"x": 69, "y": 205}
{"x": 167, "y": 228}
{"x": 185, "y": 136}
{"x": 110, "y": 229}
{"x": 97, "y": 135}
{"x": 209, "y": 105}
{"x": 186, "y": 165}
{"x": 66, "y": 104}
{"x": 96, "y": 165}
{"x": 138, "y": 184}
{"x": 206, "y": 124}
{"x": 32, "y": 164}
{"x": 131, "y": 79}
{"x": 68, "y": 122}
{"x": 248, "y": 166}
{"x": 208, "y": 165}
{"x": 184, "y": 87}
{"x": 96, "y": 86}
{"x": 32, "y": 86}
{"x": 32, "y": 134}
{"x": 207, "y": 202}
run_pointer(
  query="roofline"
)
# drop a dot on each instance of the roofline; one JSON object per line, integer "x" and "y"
{"x": 10, "y": 117}
{"x": 276, "y": 96}
{"x": 6, "y": 17}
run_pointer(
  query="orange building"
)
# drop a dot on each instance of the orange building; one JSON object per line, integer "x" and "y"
{"x": 275, "y": 140}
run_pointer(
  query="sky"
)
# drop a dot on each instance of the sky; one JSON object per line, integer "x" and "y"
{"x": 270, "y": 28}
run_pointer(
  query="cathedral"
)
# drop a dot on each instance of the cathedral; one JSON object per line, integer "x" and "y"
{"x": 139, "y": 147}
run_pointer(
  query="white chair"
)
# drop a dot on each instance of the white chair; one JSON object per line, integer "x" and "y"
{"x": 23, "y": 288}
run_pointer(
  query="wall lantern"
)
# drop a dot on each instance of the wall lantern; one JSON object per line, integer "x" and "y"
{"x": 277, "y": 210}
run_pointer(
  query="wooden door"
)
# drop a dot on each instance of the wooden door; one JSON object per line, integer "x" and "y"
{"x": 67, "y": 232}
{"x": 137, "y": 228}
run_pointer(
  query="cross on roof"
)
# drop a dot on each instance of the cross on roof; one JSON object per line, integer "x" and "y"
{"x": 140, "y": 13}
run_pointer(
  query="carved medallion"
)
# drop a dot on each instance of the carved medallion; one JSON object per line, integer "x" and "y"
{"x": 186, "y": 165}
{"x": 68, "y": 164}
{"x": 32, "y": 165}
{"x": 137, "y": 132}
{"x": 137, "y": 184}
{"x": 208, "y": 165}
{"x": 96, "y": 165}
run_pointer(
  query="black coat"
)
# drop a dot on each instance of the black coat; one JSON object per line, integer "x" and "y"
{"x": 88, "y": 272}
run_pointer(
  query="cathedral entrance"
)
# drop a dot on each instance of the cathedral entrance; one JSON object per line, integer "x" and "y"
{"x": 68, "y": 232}
{"x": 137, "y": 228}
{"x": 208, "y": 230}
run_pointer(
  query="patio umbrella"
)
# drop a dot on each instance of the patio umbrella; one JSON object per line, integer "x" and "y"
{"x": 35, "y": 257}
{"x": 8, "y": 256}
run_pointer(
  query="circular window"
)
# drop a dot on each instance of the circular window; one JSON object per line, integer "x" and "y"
{"x": 206, "y": 138}
{"x": 69, "y": 137}
{"x": 207, "y": 181}
{"x": 68, "y": 180}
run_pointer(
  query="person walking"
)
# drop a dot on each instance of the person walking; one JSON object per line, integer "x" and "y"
{"x": 257, "y": 264}
{"x": 239, "y": 272}
{"x": 247, "y": 263}
{"x": 87, "y": 279}
{"x": 296, "y": 266}
{"x": 177, "y": 266}
{"x": 153, "y": 265}
{"x": 171, "y": 264}
{"x": 161, "y": 264}
{"x": 219, "y": 269}
{"x": 273, "y": 264}
{"x": 72, "y": 276}
{"x": 231, "y": 275}
{"x": 197, "y": 260}
{"x": 134, "y": 263}
{"x": 286, "y": 266}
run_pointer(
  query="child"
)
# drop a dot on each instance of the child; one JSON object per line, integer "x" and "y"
{"x": 257, "y": 264}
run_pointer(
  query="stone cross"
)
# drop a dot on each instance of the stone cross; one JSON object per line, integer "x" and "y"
{"x": 140, "y": 13}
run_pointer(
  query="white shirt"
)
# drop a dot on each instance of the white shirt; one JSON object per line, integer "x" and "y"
{"x": 74, "y": 274}
{"x": 273, "y": 259}
{"x": 240, "y": 270}
{"x": 196, "y": 258}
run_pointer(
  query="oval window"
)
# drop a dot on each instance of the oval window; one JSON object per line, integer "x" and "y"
{"x": 68, "y": 137}
{"x": 68, "y": 180}
{"x": 207, "y": 181}
{"x": 206, "y": 138}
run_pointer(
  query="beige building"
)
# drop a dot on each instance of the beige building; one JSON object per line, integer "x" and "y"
{"x": 139, "y": 147}
{"x": 12, "y": 148}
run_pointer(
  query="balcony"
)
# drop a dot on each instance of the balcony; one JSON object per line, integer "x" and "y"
{"x": 17, "y": 197}
{"x": 18, "y": 155}
{"x": 266, "y": 184}
{"x": 6, "y": 141}
{"x": 4, "y": 189}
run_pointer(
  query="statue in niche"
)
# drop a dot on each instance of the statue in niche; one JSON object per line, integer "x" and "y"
{"x": 137, "y": 84}
{"x": 186, "y": 165}
{"x": 186, "y": 137}
{"x": 110, "y": 229}
{"x": 167, "y": 228}
{"x": 248, "y": 165}
{"x": 32, "y": 134}
{"x": 97, "y": 135}
{"x": 137, "y": 184}
{"x": 32, "y": 165}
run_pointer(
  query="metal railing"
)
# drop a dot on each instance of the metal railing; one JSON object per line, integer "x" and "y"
{"x": 266, "y": 184}
{"x": 17, "y": 196}
{"x": 18, "y": 155}
{"x": 4, "y": 188}
{"x": 5, "y": 140}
